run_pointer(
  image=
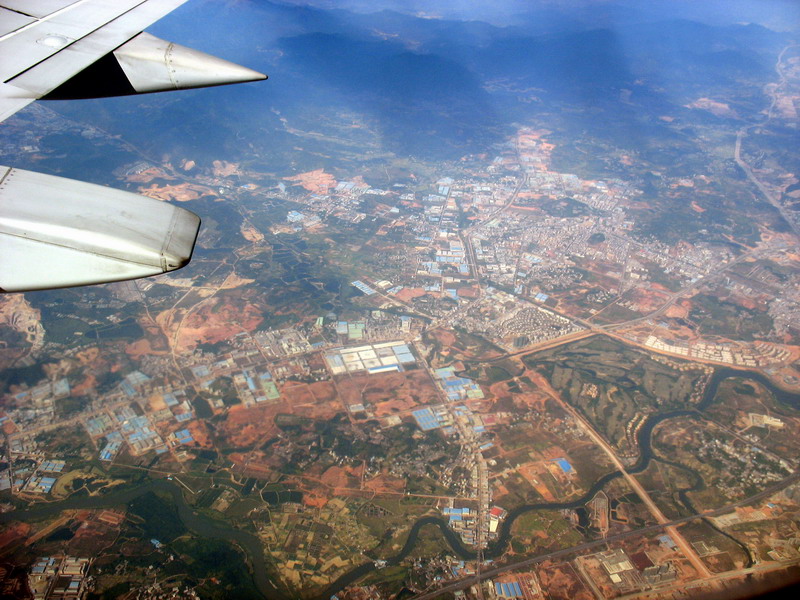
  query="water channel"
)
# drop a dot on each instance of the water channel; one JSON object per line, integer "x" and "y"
{"x": 210, "y": 528}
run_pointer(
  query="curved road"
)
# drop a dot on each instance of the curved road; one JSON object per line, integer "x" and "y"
{"x": 253, "y": 548}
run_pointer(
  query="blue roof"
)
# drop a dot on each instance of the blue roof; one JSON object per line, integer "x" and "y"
{"x": 565, "y": 466}
{"x": 425, "y": 419}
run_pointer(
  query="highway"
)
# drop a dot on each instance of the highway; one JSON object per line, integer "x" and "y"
{"x": 672, "y": 298}
{"x": 651, "y": 529}
{"x": 746, "y": 167}
{"x": 676, "y": 536}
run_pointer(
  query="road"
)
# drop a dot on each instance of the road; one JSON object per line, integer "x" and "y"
{"x": 466, "y": 234}
{"x": 768, "y": 196}
{"x": 500, "y": 210}
{"x": 650, "y": 529}
{"x": 681, "y": 587}
{"x": 676, "y": 536}
{"x": 672, "y": 298}
{"x": 765, "y": 192}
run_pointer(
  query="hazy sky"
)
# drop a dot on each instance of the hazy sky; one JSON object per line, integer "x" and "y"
{"x": 776, "y": 14}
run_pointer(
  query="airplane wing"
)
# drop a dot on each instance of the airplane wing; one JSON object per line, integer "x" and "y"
{"x": 56, "y": 232}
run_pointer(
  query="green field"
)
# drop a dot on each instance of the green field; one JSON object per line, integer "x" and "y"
{"x": 543, "y": 530}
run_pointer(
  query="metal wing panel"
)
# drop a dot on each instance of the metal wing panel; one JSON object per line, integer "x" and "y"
{"x": 57, "y": 232}
{"x": 47, "y": 36}
{"x": 37, "y": 8}
{"x": 49, "y": 74}
{"x": 44, "y": 54}
{"x": 12, "y": 99}
{"x": 11, "y": 21}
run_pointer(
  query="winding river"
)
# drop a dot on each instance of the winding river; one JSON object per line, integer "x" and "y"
{"x": 207, "y": 527}
{"x": 644, "y": 438}
{"x": 198, "y": 524}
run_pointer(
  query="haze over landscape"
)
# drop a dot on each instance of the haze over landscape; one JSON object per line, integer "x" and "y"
{"x": 489, "y": 301}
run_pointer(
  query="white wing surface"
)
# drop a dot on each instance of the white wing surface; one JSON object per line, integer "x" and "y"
{"x": 56, "y": 232}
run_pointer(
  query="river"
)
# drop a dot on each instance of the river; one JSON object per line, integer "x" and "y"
{"x": 207, "y": 527}
{"x": 198, "y": 524}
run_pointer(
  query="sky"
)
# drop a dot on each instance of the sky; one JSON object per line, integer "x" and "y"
{"x": 776, "y": 14}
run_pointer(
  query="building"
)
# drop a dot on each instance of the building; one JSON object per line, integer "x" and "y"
{"x": 59, "y": 578}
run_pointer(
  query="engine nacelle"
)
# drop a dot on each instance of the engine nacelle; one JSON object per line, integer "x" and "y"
{"x": 57, "y": 232}
{"x": 148, "y": 64}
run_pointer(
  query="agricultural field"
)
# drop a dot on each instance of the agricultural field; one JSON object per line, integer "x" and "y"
{"x": 541, "y": 531}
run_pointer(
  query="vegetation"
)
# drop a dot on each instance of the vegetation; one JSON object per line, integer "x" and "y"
{"x": 612, "y": 384}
